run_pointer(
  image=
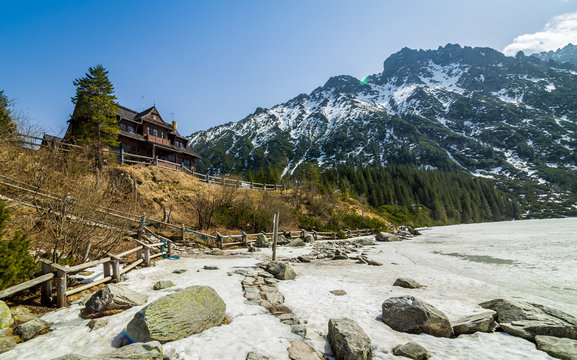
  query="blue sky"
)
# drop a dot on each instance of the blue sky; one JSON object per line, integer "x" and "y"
{"x": 208, "y": 63}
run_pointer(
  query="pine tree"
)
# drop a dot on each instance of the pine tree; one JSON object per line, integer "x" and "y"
{"x": 95, "y": 112}
{"x": 7, "y": 125}
{"x": 16, "y": 265}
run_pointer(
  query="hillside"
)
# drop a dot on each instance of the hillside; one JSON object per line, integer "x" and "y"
{"x": 63, "y": 203}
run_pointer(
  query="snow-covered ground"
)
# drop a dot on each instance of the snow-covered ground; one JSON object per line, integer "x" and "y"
{"x": 252, "y": 328}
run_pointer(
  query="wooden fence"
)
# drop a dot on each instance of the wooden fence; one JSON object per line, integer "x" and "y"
{"x": 135, "y": 159}
{"x": 124, "y": 157}
{"x": 112, "y": 270}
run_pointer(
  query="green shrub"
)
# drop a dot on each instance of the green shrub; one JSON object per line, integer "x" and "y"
{"x": 16, "y": 264}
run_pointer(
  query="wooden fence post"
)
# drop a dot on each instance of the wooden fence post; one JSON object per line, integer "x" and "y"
{"x": 121, "y": 155}
{"x": 251, "y": 186}
{"x": 219, "y": 240}
{"x": 106, "y": 266}
{"x": 169, "y": 248}
{"x": 146, "y": 256}
{"x": 315, "y": 236}
{"x": 46, "y": 287}
{"x": 274, "y": 235}
{"x": 62, "y": 277}
{"x": 141, "y": 227}
{"x": 244, "y": 239}
{"x": 334, "y": 235}
{"x": 303, "y": 233}
{"x": 116, "y": 270}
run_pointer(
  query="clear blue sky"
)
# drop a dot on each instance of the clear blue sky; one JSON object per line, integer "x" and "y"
{"x": 215, "y": 61}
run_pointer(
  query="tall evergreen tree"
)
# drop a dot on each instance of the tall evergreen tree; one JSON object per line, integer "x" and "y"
{"x": 94, "y": 116}
{"x": 7, "y": 125}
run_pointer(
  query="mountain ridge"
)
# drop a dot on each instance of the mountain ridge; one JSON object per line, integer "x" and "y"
{"x": 452, "y": 108}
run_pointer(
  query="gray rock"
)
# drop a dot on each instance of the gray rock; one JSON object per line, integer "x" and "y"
{"x": 411, "y": 350}
{"x": 308, "y": 238}
{"x": 387, "y": 237}
{"x": 560, "y": 348}
{"x": 5, "y": 316}
{"x": 112, "y": 297}
{"x": 178, "y": 315}
{"x": 30, "y": 329}
{"x": 96, "y": 324}
{"x": 78, "y": 357}
{"x": 484, "y": 322}
{"x": 527, "y": 319}
{"x": 210, "y": 267}
{"x": 7, "y": 343}
{"x": 280, "y": 270}
{"x": 338, "y": 292}
{"x": 299, "y": 329}
{"x": 348, "y": 341}
{"x": 179, "y": 271}
{"x": 300, "y": 350}
{"x": 407, "y": 283}
{"x": 163, "y": 284}
{"x": 408, "y": 314}
{"x": 21, "y": 314}
{"x": 255, "y": 356}
{"x": 298, "y": 242}
{"x": 274, "y": 297}
{"x": 305, "y": 258}
{"x": 151, "y": 350}
{"x": 216, "y": 252}
{"x": 84, "y": 299}
{"x": 262, "y": 241}
{"x": 374, "y": 263}
{"x": 365, "y": 242}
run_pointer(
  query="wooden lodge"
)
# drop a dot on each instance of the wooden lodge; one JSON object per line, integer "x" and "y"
{"x": 146, "y": 134}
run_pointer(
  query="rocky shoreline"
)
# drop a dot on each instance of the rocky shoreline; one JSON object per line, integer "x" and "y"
{"x": 194, "y": 309}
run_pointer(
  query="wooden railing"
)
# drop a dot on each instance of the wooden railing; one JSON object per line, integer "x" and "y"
{"x": 112, "y": 271}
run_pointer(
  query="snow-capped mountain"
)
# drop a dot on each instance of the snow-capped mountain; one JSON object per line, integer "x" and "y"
{"x": 567, "y": 54}
{"x": 450, "y": 108}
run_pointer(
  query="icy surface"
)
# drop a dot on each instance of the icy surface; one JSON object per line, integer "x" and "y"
{"x": 460, "y": 266}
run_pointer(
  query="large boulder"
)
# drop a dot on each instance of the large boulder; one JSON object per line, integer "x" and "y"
{"x": 348, "y": 341}
{"x": 138, "y": 351}
{"x": 411, "y": 350}
{"x": 297, "y": 242}
{"x": 5, "y": 316}
{"x": 560, "y": 348}
{"x": 163, "y": 284}
{"x": 300, "y": 350}
{"x": 262, "y": 241}
{"x": 308, "y": 238}
{"x": 21, "y": 314}
{"x": 527, "y": 320}
{"x": 112, "y": 297}
{"x": 387, "y": 237}
{"x": 409, "y": 314}
{"x": 281, "y": 270}
{"x": 30, "y": 329}
{"x": 407, "y": 283}
{"x": 255, "y": 356}
{"x": 7, "y": 343}
{"x": 178, "y": 315}
{"x": 484, "y": 322}
{"x": 146, "y": 351}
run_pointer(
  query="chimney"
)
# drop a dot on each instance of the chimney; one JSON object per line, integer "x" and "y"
{"x": 174, "y": 124}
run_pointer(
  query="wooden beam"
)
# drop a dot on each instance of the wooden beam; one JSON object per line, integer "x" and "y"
{"x": 25, "y": 285}
{"x": 61, "y": 283}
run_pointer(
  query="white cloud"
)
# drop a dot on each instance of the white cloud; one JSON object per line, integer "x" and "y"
{"x": 558, "y": 32}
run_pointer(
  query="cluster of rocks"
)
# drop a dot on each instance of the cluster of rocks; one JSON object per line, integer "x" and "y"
{"x": 553, "y": 331}
{"x": 260, "y": 288}
{"x": 28, "y": 326}
{"x": 339, "y": 250}
{"x": 262, "y": 241}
